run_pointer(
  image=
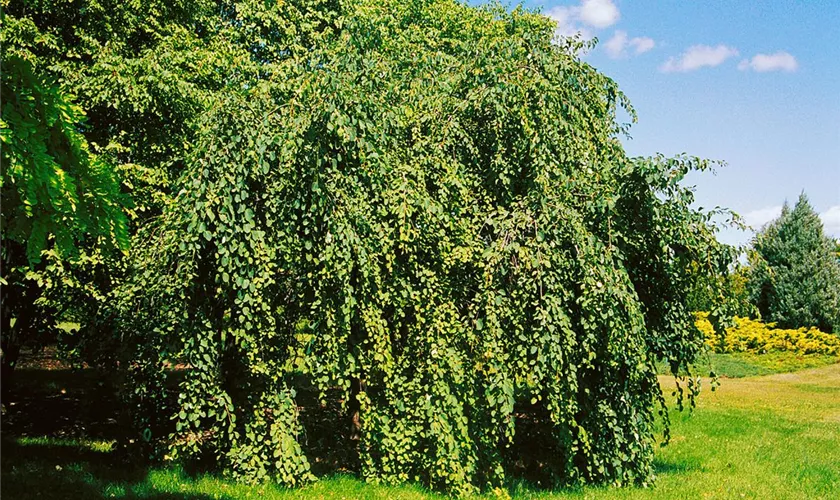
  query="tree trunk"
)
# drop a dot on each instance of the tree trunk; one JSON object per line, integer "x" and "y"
{"x": 17, "y": 300}
{"x": 8, "y": 359}
{"x": 354, "y": 408}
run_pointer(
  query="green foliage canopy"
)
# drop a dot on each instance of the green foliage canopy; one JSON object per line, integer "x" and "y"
{"x": 52, "y": 185}
{"x": 431, "y": 200}
{"x": 143, "y": 72}
{"x": 56, "y": 193}
{"x": 795, "y": 275}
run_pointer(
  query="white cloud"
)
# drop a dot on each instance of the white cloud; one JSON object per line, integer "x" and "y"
{"x": 758, "y": 218}
{"x": 762, "y": 216}
{"x": 780, "y": 61}
{"x": 642, "y": 44}
{"x": 599, "y": 13}
{"x": 566, "y": 19}
{"x": 831, "y": 221}
{"x": 699, "y": 56}
{"x": 617, "y": 46}
{"x": 582, "y": 18}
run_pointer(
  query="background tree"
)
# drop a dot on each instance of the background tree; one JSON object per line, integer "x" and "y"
{"x": 55, "y": 194}
{"x": 431, "y": 202}
{"x": 136, "y": 71}
{"x": 795, "y": 276}
{"x": 143, "y": 72}
{"x": 731, "y": 290}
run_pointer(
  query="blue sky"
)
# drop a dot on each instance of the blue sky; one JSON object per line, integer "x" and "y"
{"x": 756, "y": 84}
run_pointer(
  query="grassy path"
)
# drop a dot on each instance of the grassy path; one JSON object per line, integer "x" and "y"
{"x": 776, "y": 436}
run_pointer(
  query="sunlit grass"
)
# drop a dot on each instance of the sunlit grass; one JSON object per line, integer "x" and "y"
{"x": 748, "y": 364}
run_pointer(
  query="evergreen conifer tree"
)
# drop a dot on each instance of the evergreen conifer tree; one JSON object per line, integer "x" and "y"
{"x": 795, "y": 278}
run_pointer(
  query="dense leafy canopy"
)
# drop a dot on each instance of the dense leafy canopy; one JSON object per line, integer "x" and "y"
{"x": 52, "y": 185}
{"x": 143, "y": 72}
{"x": 430, "y": 202}
{"x": 128, "y": 66}
{"x": 795, "y": 275}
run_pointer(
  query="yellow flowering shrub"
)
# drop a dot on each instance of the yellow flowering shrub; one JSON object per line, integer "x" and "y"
{"x": 750, "y": 335}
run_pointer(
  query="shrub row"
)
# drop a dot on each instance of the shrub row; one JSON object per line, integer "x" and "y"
{"x": 749, "y": 335}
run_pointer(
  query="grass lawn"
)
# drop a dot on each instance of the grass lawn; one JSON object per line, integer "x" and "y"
{"x": 775, "y": 436}
{"x": 747, "y": 364}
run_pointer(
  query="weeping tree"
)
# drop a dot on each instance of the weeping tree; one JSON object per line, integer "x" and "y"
{"x": 430, "y": 203}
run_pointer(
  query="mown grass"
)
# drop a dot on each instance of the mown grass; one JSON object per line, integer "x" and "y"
{"x": 774, "y": 436}
{"x": 748, "y": 364}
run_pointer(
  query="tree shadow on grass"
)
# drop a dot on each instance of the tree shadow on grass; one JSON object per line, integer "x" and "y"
{"x": 326, "y": 431}
{"x": 663, "y": 467}
{"x": 519, "y": 486}
{"x": 62, "y": 402}
{"x": 73, "y": 410}
{"x": 61, "y": 469}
